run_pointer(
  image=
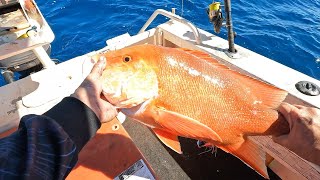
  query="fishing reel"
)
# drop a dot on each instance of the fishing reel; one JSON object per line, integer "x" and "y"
{"x": 215, "y": 16}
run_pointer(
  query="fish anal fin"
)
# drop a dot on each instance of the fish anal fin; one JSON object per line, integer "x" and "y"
{"x": 184, "y": 126}
{"x": 168, "y": 139}
{"x": 251, "y": 154}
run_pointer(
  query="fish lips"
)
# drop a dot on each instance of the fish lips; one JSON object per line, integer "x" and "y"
{"x": 124, "y": 101}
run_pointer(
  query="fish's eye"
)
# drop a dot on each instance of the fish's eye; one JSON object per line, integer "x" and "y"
{"x": 126, "y": 58}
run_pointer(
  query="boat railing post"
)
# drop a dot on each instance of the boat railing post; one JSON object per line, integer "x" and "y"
{"x": 174, "y": 17}
{"x": 43, "y": 57}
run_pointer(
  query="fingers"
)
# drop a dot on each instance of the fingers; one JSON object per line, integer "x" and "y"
{"x": 290, "y": 113}
{"x": 109, "y": 114}
{"x": 299, "y": 106}
{"x": 310, "y": 111}
{"x": 98, "y": 68}
{"x": 286, "y": 110}
{"x": 103, "y": 97}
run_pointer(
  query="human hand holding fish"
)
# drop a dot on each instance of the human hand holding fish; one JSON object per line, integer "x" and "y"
{"x": 89, "y": 92}
{"x": 304, "y": 136}
{"x": 173, "y": 91}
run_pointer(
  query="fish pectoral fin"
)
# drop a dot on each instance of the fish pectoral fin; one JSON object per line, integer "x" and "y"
{"x": 251, "y": 154}
{"x": 183, "y": 125}
{"x": 168, "y": 139}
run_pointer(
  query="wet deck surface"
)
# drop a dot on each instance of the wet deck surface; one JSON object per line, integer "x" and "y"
{"x": 191, "y": 164}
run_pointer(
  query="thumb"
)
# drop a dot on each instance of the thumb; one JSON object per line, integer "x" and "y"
{"x": 288, "y": 110}
{"x": 98, "y": 68}
{"x": 282, "y": 140}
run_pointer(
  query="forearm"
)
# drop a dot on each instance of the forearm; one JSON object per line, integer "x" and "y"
{"x": 77, "y": 120}
{"x": 35, "y": 150}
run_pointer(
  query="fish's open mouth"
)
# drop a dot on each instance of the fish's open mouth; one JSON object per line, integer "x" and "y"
{"x": 124, "y": 96}
{"x": 127, "y": 89}
{"x": 126, "y": 103}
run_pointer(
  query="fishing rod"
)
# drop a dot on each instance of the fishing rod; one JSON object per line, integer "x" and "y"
{"x": 227, "y": 8}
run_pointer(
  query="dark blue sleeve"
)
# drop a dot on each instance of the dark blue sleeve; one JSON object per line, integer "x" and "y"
{"x": 47, "y": 146}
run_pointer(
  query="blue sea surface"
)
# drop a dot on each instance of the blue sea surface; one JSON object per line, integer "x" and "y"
{"x": 285, "y": 31}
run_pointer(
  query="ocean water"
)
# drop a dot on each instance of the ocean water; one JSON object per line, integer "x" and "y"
{"x": 285, "y": 31}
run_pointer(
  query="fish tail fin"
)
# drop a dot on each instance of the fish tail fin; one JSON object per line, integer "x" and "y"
{"x": 251, "y": 154}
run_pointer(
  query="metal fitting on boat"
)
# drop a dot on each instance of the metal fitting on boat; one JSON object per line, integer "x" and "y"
{"x": 115, "y": 127}
{"x": 173, "y": 10}
{"x": 308, "y": 88}
{"x": 8, "y": 76}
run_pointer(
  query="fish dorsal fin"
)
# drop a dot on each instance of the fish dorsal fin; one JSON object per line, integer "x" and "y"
{"x": 197, "y": 53}
{"x": 183, "y": 125}
{"x": 168, "y": 139}
{"x": 268, "y": 95}
{"x": 205, "y": 56}
{"x": 251, "y": 154}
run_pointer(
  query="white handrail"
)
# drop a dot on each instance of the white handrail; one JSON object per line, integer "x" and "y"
{"x": 174, "y": 17}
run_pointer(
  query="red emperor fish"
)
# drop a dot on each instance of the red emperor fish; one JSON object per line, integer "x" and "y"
{"x": 181, "y": 92}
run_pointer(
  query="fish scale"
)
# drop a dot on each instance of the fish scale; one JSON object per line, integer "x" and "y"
{"x": 177, "y": 86}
